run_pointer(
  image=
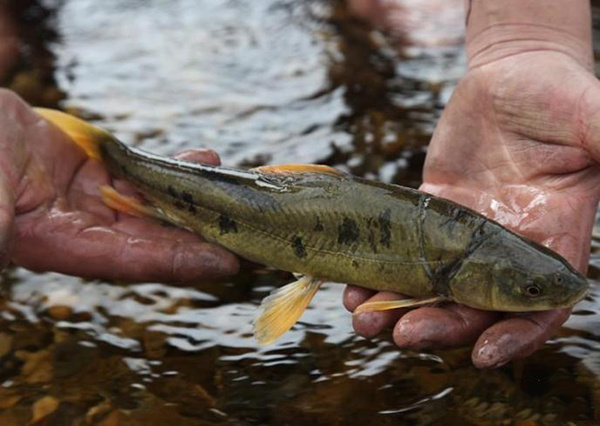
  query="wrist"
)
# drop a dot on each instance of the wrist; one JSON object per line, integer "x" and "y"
{"x": 496, "y": 30}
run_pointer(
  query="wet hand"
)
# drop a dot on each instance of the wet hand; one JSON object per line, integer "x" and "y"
{"x": 520, "y": 143}
{"x": 52, "y": 218}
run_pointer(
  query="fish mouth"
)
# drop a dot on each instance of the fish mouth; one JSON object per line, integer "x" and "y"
{"x": 575, "y": 298}
{"x": 582, "y": 294}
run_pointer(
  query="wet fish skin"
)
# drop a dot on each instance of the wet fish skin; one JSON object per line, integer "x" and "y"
{"x": 336, "y": 227}
{"x": 346, "y": 229}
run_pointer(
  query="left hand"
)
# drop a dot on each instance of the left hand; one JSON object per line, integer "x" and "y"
{"x": 52, "y": 217}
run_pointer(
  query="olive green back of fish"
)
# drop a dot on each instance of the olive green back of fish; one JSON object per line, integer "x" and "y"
{"x": 327, "y": 225}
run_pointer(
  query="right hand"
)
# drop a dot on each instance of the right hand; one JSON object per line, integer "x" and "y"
{"x": 519, "y": 142}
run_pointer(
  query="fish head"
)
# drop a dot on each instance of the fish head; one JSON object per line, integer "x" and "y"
{"x": 516, "y": 275}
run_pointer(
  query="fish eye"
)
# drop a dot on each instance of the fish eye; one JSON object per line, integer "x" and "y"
{"x": 558, "y": 280}
{"x": 533, "y": 290}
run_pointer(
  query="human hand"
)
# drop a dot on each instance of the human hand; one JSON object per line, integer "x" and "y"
{"x": 519, "y": 142}
{"x": 52, "y": 217}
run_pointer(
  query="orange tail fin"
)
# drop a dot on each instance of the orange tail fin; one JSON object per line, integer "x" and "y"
{"x": 86, "y": 136}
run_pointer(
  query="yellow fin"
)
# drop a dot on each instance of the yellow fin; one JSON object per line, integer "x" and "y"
{"x": 124, "y": 204}
{"x": 299, "y": 168}
{"x": 395, "y": 304}
{"x": 281, "y": 310}
{"x": 85, "y": 135}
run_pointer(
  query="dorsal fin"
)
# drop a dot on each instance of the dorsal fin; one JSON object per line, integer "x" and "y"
{"x": 299, "y": 168}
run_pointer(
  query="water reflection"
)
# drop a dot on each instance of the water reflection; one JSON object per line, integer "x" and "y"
{"x": 260, "y": 82}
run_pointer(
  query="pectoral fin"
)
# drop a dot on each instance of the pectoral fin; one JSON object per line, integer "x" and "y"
{"x": 396, "y": 304}
{"x": 281, "y": 310}
{"x": 125, "y": 204}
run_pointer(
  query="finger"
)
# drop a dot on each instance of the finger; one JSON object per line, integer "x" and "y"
{"x": 101, "y": 252}
{"x": 370, "y": 324}
{"x": 516, "y": 337}
{"x": 204, "y": 156}
{"x": 445, "y": 326}
{"x": 354, "y": 296}
{"x": 83, "y": 192}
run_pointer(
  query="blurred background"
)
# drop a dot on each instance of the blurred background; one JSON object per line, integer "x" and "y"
{"x": 260, "y": 82}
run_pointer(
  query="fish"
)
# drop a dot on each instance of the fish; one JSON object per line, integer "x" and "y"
{"x": 325, "y": 225}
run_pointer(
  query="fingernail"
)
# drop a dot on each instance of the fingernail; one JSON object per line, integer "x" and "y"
{"x": 418, "y": 335}
{"x": 203, "y": 155}
{"x": 222, "y": 263}
{"x": 489, "y": 356}
{"x": 215, "y": 157}
{"x": 407, "y": 335}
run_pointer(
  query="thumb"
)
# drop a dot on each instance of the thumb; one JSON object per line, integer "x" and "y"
{"x": 7, "y": 212}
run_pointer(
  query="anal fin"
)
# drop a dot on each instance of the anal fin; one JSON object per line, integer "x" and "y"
{"x": 396, "y": 304}
{"x": 281, "y": 309}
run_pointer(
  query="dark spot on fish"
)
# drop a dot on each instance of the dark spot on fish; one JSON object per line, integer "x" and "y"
{"x": 172, "y": 192}
{"x": 179, "y": 205}
{"x": 298, "y": 247}
{"x": 192, "y": 209}
{"x": 187, "y": 197}
{"x": 318, "y": 226}
{"x": 371, "y": 225}
{"x": 385, "y": 228}
{"x": 371, "y": 239}
{"x": 348, "y": 232}
{"x": 355, "y": 264}
{"x": 227, "y": 225}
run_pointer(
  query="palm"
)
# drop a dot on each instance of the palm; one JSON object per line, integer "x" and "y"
{"x": 515, "y": 144}
{"x": 521, "y": 157}
{"x": 62, "y": 225}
